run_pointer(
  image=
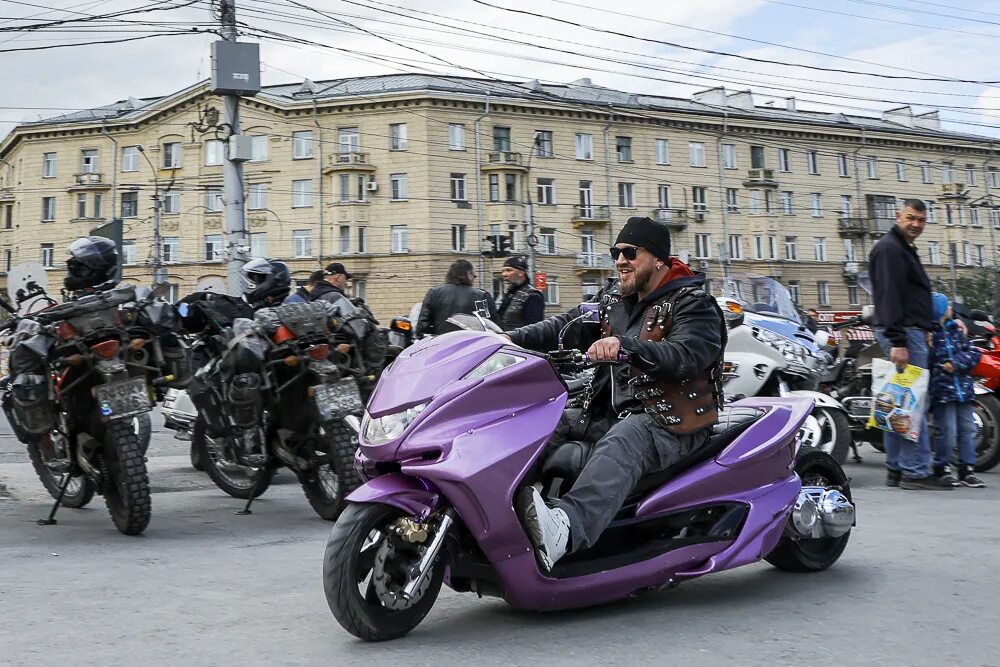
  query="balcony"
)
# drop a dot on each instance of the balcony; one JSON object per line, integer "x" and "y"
{"x": 954, "y": 191}
{"x": 504, "y": 160}
{"x": 590, "y": 215}
{"x": 760, "y": 178}
{"x": 851, "y": 270}
{"x": 6, "y": 194}
{"x": 350, "y": 161}
{"x": 89, "y": 181}
{"x": 589, "y": 261}
{"x": 675, "y": 218}
{"x": 879, "y": 226}
{"x": 851, "y": 227}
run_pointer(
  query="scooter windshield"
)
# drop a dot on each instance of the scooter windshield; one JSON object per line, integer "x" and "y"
{"x": 761, "y": 295}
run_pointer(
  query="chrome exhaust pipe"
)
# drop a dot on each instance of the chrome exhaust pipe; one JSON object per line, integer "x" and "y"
{"x": 821, "y": 512}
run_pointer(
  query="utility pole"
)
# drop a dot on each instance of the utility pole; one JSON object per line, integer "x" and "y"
{"x": 159, "y": 272}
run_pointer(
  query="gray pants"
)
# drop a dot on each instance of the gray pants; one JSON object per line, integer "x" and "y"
{"x": 632, "y": 448}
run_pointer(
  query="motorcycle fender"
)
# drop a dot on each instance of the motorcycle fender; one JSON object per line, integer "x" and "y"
{"x": 980, "y": 389}
{"x": 414, "y": 496}
{"x": 820, "y": 399}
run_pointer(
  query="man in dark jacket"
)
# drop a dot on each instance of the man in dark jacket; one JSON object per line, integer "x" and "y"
{"x": 662, "y": 406}
{"x": 333, "y": 287}
{"x": 903, "y": 317}
{"x": 457, "y": 295}
{"x": 302, "y": 294}
{"x": 521, "y": 304}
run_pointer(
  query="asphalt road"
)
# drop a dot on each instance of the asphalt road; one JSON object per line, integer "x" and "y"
{"x": 918, "y": 585}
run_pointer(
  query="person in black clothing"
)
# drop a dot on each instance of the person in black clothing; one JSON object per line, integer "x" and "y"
{"x": 903, "y": 317}
{"x": 812, "y": 320}
{"x": 333, "y": 287}
{"x": 457, "y": 295}
{"x": 521, "y": 304}
{"x": 301, "y": 295}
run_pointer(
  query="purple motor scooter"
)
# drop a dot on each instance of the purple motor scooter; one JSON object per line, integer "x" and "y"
{"x": 458, "y": 424}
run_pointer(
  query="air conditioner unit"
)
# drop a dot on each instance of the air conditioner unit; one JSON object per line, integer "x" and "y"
{"x": 702, "y": 263}
{"x": 699, "y": 216}
{"x": 372, "y": 186}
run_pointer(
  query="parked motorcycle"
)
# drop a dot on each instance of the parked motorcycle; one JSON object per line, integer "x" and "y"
{"x": 771, "y": 353}
{"x": 460, "y": 424}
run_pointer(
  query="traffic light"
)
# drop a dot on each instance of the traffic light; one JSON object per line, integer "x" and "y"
{"x": 501, "y": 245}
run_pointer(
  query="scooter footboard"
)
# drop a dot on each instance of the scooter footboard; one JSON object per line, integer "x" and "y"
{"x": 416, "y": 497}
{"x": 761, "y": 530}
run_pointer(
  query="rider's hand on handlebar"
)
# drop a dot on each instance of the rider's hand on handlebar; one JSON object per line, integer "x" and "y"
{"x": 606, "y": 349}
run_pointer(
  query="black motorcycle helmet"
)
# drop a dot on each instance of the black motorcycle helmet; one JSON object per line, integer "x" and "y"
{"x": 93, "y": 260}
{"x": 266, "y": 282}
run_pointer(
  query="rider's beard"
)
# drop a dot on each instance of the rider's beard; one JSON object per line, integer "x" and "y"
{"x": 637, "y": 280}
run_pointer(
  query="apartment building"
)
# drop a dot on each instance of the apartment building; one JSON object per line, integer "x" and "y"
{"x": 398, "y": 175}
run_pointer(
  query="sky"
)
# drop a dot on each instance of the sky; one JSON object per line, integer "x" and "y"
{"x": 665, "y": 47}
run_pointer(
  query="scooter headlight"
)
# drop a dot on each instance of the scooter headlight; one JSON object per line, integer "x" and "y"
{"x": 380, "y": 430}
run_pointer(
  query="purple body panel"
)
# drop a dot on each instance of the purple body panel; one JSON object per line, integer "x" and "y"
{"x": 474, "y": 444}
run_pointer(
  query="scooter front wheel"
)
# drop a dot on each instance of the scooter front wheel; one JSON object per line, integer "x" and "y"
{"x": 366, "y": 567}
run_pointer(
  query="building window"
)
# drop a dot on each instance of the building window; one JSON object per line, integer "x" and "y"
{"x": 552, "y": 291}
{"x": 543, "y": 143}
{"x": 349, "y": 140}
{"x": 816, "y": 204}
{"x": 547, "y": 191}
{"x": 699, "y": 199}
{"x": 81, "y": 205}
{"x": 172, "y": 203}
{"x": 344, "y": 239}
{"x": 980, "y": 256}
{"x": 214, "y": 152}
{"x": 8, "y": 217}
{"x": 756, "y": 157}
{"x": 729, "y": 156}
{"x": 49, "y": 209}
{"x": 933, "y": 252}
{"x": 494, "y": 187}
{"x": 213, "y": 199}
{"x": 931, "y": 211}
{"x": 812, "y": 162}
{"x": 842, "y": 164}
{"x": 397, "y": 137}
{"x": 852, "y": 296}
{"x": 819, "y": 245}
{"x": 787, "y": 203}
{"x": 170, "y": 249}
{"x": 172, "y": 155}
{"x": 823, "y": 292}
{"x": 258, "y": 197}
{"x": 501, "y": 138}
{"x": 546, "y": 241}
{"x": 662, "y": 151}
{"x": 130, "y": 158}
{"x": 48, "y": 165}
{"x": 128, "y": 251}
{"x": 793, "y": 291}
{"x": 845, "y": 206}
{"x": 696, "y": 153}
{"x": 732, "y": 200}
{"x": 302, "y": 241}
{"x": 900, "y": 170}
{"x": 99, "y": 205}
{"x": 345, "y": 187}
{"x": 758, "y": 247}
{"x": 258, "y": 148}
{"x": 88, "y": 161}
{"x": 302, "y": 193}
{"x": 626, "y": 195}
{"x": 48, "y": 255}
{"x": 974, "y": 217}
{"x": 362, "y": 240}
{"x": 754, "y": 202}
{"x": 994, "y": 216}
{"x": 399, "y": 239}
{"x": 258, "y": 244}
{"x": 703, "y": 246}
{"x": 994, "y": 177}
{"x": 947, "y": 175}
{"x": 849, "y": 255}
{"x": 872, "y": 166}
{"x": 397, "y": 186}
{"x": 302, "y": 145}
{"x": 925, "y": 171}
{"x": 584, "y": 147}
{"x": 663, "y": 196}
{"x": 456, "y": 137}
{"x": 735, "y": 246}
{"x": 458, "y": 238}
{"x": 510, "y": 187}
{"x": 130, "y": 204}
{"x": 791, "y": 253}
{"x": 623, "y": 145}
{"x": 970, "y": 175}
{"x": 213, "y": 247}
{"x": 458, "y": 187}
{"x": 784, "y": 160}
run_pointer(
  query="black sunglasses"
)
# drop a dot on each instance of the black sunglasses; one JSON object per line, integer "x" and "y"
{"x": 628, "y": 251}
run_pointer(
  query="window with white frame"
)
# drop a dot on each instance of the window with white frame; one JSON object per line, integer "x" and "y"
{"x": 993, "y": 177}
{"x": 812, "y": 162}
{"x": 787, "y": 202}
{"x": 302, "y": 193}
{"x": 344, "y": 240}
{"x": 933, "y": 252}
{"x": 699, "y": 199}
{"x": 214, "y": 152}
{"x": 931, "y": 211}
{"x": 546, "y": 241}
{"x": 213, "y": 248}
{"x": 754, "y": 202}
{"x": 397, "y": 186}
{"x": 88, "y": 161}
{"x": 849, "y": 255}
{"x": 258, "y": 244}
{"x": 842, "y": 164}
{"x": 48, "y": 255}
{"x": 900, "y": 170}
{"x": 623, "y": 146}
{"x": 397, "y": 137}
{"x": 970, "y": 175}
{"x": 784, "y": 160}
{"x": 758, "y": 247}
{"x": 735, "y": 246}
{"x": 171, "y": 155}
{"x": 823, "y": 292}
{"x": 980, "y": 255}
{"x": 853, "y": 296}
{"x": 872, "y": 166}
{"x": 130, "y": 158}
{"x": 48, "y": 165}
{"x": 458, "y": 238}
{"x": 456, "y": 137}
{"x": 81, "y": 205}
{"x": 258, "y": 148}
{"x": 925, "y": 171}
{"x": 348, "y": 140}
{"x": 995, "y": 217}
{"x": 756, "y": 157}
{"x": 947, "y": 173}
{"x": 543, "y": 143}
{"x": 399, "y": 239}
{"x": 663, "y": 196}
{"x": 547, "y": 191}
{"x": 791, "y": 250}
{"x": 732, "y": 200}
{"x": 170, "y": 249}
{"x": 584, "y": 147}
{"x": 816, "y": 204}
{"x": 772, "y": 247}
{"x": 458, "y": 187}
{"x": 819, "y": 247}
{"x": 845, "y": 206}
{"x": 696, "y": 153}
{"x": 626, "y": 195}
{"x": 662, "y": 151}
{"x": 171, "y": 203}
{"x": 703, "y": 246}
{"x": 501, "y": 138}
{"x": 302, "y": 241}
{"x": 130, "y": 205}
{"x": 257, "y": 198}
{"x": 510, "y": 187}
{"x": 974, "y": 216}
{"x": 99, "y": 205}
{"x": 794, "y": 292}
{"x": 302, "y": 145}
{"x": 552, "y": 291}
{"x": 729, "y": 156}
{"x": 213, "y": 199}
{"x": 494, "y": 187}
{"x": 49, "y": 209}
{"x": 128, "y": 251}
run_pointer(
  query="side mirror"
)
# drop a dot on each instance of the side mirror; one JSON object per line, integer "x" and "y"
{"x": 183, "y": 309}
{"x": 402, "y": 325}
{"x": 732, "y": 310}
{"x": 822, "y": 338}
{"x": 868, "y": 314}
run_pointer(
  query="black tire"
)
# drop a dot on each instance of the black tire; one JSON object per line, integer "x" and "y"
{"x": 196, "y": 461}
{"x": 987, "y": 413}
{"x": 235, "y": 480}
{"x": 813, "y": 555}
{"x": 350, "y": 557}
{"x": 126, "y": 482}
{"x": 143, "y": 425}
{"x": 327, "y": 485}
{"x": 81, "y": 488}
{"x": 836, "y": 432}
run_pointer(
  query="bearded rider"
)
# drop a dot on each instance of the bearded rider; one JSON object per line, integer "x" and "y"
{"x": 655, "y": 411}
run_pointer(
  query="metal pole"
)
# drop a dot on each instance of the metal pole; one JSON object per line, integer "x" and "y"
{"x": 722, "y": 194}
{"x": 232, "y": 171}
{"x": 479, "y": 198}
{"x": 159, "y": 272}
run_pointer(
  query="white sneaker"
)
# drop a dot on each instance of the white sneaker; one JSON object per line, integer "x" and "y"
{"x": 548, "y": 529}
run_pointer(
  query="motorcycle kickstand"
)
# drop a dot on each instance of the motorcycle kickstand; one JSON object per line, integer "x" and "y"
{"x": 857, "y": 457}
{"x": 51, "y": 521}
{"x": 253, "y": 494}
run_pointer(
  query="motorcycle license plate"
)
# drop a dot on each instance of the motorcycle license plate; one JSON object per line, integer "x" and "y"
{"x": 338, "y": 399}
{"x": 122, "y": 399}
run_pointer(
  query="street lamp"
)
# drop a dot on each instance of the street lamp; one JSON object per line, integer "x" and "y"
{"x": 159, "y": 272}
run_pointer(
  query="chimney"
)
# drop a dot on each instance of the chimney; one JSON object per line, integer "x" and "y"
{"x": 713, "y": 96}
{"x": 928, "y": 121}
{"x": 901, "y": 116}
{"x": 790, "y": 104}
{"x": 741, "y": 100}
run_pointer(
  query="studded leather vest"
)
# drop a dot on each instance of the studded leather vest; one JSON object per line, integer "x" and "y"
{"x": 680, "y": 406}
{"x": 512, "y": 307}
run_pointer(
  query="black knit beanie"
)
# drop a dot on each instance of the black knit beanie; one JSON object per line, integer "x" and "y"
{"x": 647, "y": 233}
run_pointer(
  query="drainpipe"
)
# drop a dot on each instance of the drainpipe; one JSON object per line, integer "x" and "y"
{"x": 857, "y": 188}
{"x": 319, "y": 177}
{"x": 480, "y": 213}
{"x": 722, "y": 193}
{"x": 114, "y": 169}
{"x": 607, "y": 174}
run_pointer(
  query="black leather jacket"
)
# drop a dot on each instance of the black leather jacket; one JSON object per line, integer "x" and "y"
{"x": 443, "y": 301}
{"x": 690, "y": 350}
